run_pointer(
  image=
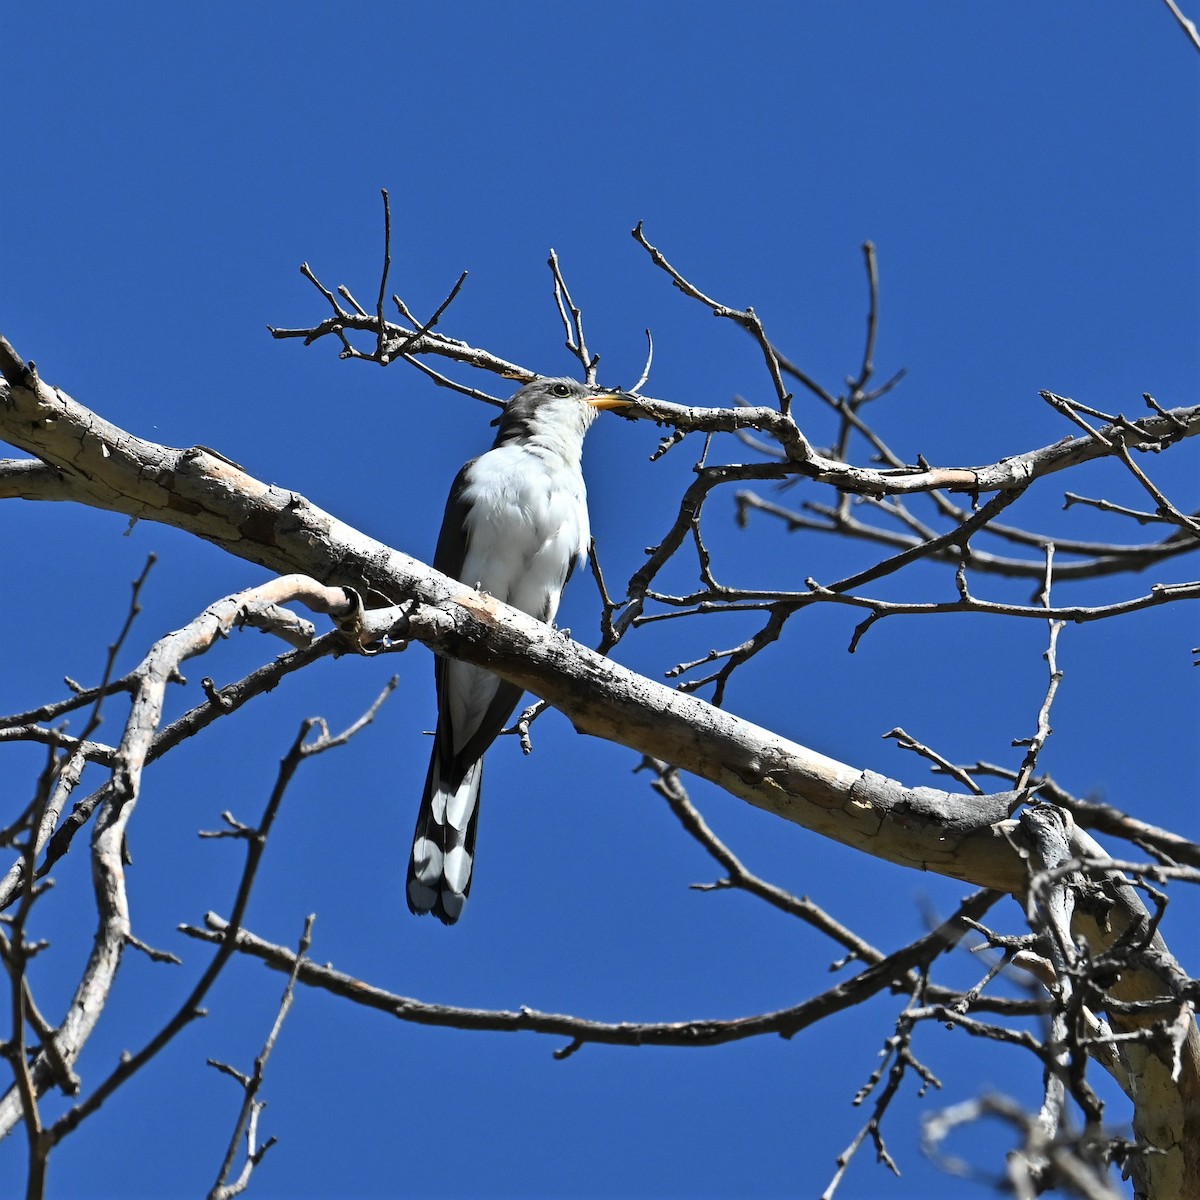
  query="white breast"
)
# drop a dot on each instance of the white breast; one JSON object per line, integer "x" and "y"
{"x": 527, "y": 523}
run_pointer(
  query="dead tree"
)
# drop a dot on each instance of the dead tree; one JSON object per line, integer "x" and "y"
{"x": 1103, "y": 981}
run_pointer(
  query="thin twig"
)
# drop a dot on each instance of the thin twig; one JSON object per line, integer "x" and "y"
{"x": 572, "y": 320}
{"x": 380, "y": 348}
{"x": 747, "y": 318}
{"x": 246, "y": 1126}
{"x": 1188, "y": 27}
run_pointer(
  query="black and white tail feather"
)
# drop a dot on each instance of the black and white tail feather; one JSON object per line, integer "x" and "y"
{"x": 516, "y": 524}
{"x": 443, "y": 853}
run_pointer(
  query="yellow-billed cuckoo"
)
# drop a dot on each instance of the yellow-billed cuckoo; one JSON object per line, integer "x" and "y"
{"x": 516, "y": 524}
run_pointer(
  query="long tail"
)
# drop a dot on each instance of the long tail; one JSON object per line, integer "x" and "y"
{"x": 443, "y": 853}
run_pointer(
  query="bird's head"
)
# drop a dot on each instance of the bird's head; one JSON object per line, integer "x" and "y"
{"x": 556, "y": 404}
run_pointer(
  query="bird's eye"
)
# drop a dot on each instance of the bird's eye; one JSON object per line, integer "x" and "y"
{"x": 560, "y": 389}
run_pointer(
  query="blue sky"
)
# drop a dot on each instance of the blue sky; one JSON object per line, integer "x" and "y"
{"x": 1028, "y": 174}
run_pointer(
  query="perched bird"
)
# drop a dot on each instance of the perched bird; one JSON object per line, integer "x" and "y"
{"x": 516, "y": 524}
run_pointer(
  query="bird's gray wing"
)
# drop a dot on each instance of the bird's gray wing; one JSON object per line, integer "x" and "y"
{"x": 451, "y": 549}
{"x": 448, "y": 558}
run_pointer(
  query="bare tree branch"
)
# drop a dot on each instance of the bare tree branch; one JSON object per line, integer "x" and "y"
{"x": 703, "y": 1032}
{"x": 115, "y": 932}
{"x": 1188, "y": 27}
{"x": 246, "y": 1126}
